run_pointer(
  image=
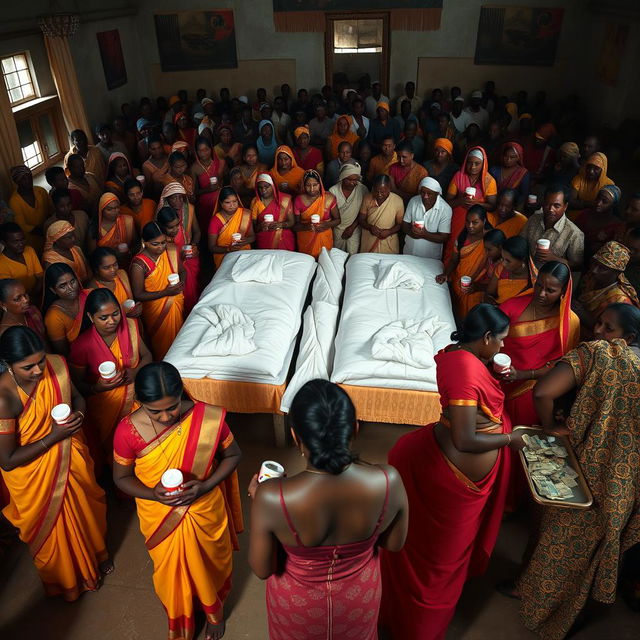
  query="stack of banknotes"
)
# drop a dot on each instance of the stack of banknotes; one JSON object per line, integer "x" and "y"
{"x": 548, "y": 467}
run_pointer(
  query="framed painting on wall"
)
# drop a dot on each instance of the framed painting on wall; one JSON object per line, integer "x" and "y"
{"x": 190, "y": 40}
{"x": 115, "y": 71}
{"x": 518, "y": 35}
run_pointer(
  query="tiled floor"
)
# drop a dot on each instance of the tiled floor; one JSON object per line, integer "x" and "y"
{"x": 126, "y": 607}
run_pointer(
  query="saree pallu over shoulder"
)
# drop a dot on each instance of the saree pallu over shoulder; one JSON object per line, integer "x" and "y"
{"x": 54, "y": 500}
{"x": 239, "y": 222}
{"x": 163, "y": 317}
{"x": 473, "y": 264}
{"x": 454, "y": 521}
{"x": 190, "y": 546}
{"x": 312, "y": 242}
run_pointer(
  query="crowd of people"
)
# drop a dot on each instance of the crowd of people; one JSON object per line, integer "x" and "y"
{"x": 540, "y": 250}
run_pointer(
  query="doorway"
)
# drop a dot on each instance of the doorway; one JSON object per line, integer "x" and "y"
{"x": 357, "y": 45}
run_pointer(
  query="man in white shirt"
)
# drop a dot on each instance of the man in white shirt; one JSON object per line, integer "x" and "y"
{"x": 371, "y": 103}
{"x": 281, "y": 120}
{"x": 359, "y": 122}
{"x": 410, "y": 95}
{"x": 477, "y": 112}
{"x": 430, "y": 209}
{"x": 459, "y": 115}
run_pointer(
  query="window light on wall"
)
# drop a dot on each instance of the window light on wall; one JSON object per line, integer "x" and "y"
{"x": 18, "y": 79}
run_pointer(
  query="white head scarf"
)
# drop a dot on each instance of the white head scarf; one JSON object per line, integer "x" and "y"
{"x": 431, "y": 184}
{"x": 476, "y": 153}
{"x": 265, "y": 177}
{"x": 349, "y": 169}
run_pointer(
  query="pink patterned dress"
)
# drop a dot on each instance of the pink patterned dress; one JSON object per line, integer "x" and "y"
{"x": 328, "y": 592}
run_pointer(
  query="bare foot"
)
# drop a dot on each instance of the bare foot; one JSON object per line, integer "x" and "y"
{"x": 106, "y": 567}
{"x": 215, "y": 631}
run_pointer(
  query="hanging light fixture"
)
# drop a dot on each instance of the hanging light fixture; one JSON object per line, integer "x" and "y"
{"x": 58, "y": 23}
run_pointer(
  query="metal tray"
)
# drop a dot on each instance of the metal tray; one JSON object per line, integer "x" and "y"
{"x": 582, "y": 497}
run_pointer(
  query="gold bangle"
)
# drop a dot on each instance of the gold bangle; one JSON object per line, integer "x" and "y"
{"x": 82, "y": 414}
{"x": 44, "y": 444}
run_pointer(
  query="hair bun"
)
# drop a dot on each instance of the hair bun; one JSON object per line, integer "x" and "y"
{"x": 458, "y": 336}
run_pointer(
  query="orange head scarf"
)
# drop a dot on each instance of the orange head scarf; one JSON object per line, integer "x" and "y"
{"x": 287, "y": 152}
{"x": 56, "y": 231}
{"x": 298, "y": 131}
{"x": 599, "y": 160}
{"x": 444, "y": 143}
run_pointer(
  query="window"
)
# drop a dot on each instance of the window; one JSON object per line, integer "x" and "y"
{"x": 357, "y": 36}
{"x": 41, "y": 133}
{"x": 17, "y": 76}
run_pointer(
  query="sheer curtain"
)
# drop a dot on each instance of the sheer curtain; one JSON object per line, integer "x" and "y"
{"x": 64, "y": 75}
{"x": 10, "y": 152}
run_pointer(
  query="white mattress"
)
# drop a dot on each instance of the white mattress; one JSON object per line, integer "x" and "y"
{"x": 276, "y": 310}
{"x": 367, "y": 309}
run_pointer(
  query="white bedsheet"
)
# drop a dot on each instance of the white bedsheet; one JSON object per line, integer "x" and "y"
{"x": 320, "y": 321}
{"x": 366, "y": 310}
{"x": 275, "y": 309}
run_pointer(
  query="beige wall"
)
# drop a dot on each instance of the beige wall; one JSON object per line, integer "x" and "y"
{"x": 244, "y": 80}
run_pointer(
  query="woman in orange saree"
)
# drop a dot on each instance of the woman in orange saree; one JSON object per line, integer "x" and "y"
{"x": 505, "y": 217}
{"x": 55, "y": 502}
{"x": 106, "y": 336}
{"x": 250, "y": 169}
{"x": 316, "y": 213}
{"x": 155, "y": 166}
{"x": 515, "y": 275}
{"x": 456, "y": 473}
{"x": 118, "y": 172}
{"x": 178, "y": 165}
{"x": 60, "y": 247}
{"x": 406, "y": 174}
{"x": 63, "y": 306}
{"x": 341, "y": 133}
{"x": 286, "y": 173}
{"x": 227, "y": 147}
{"x": 141, "y": 209}
{"x": 469, "y": 259}
{"x": 189, "y": 534}
{"x": 230, "y": 228}
{"x": 113, "y": 229}
{"x": 275, "y": 233}
{"x": 108, "y": 275}
{"x": 542, "y": 328}
{"x": 475, "y": 175}
{"x": 585, "y": 187}
{"x": 162, "y": 302}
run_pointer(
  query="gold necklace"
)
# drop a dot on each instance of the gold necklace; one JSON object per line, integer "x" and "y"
{"x": 320, "y": 473}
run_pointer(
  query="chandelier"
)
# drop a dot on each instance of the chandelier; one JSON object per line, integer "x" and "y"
{"x": 59, "y": 25}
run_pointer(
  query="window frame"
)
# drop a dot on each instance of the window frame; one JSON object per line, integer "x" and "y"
{"x": 32, "y": 77}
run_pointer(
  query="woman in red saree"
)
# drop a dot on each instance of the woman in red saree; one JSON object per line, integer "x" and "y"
{"x": 456, "y": 474}
{"x": 162, "y": 302}
{"x": 406, "y": 174}
{"x": 542, "y": 328}
{"x": 17, "y": 309}
{"x": 55, "y": 502}
{"x": 276, "y": 233}
{"x": 190, "y": 535}
{"x": 311, "y": 235}
{"x": 183, "y": 230}
{"x": 106, "y": 336}
{"x": 330, "y": 520}
{"x": 307, "y": 157}
{"x": 474, "y": 174}
{"x": 512, "y": 174}
{"x": 207, "y": 172}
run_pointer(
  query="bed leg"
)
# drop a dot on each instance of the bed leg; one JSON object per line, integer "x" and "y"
{"x": 280, "y": 430}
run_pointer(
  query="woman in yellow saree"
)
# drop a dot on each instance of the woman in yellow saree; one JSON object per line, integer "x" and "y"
{"x": 469, "y": 259}
{"x": 190, "y": 534}
{"x": 55, "y": 502}
{"x": 162, "y": 302}
{"x": 231, "y": 227}
{"x": 106, "y": 336}
{"x": 380, "y": 218}
{"x": 312, "y": 234}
